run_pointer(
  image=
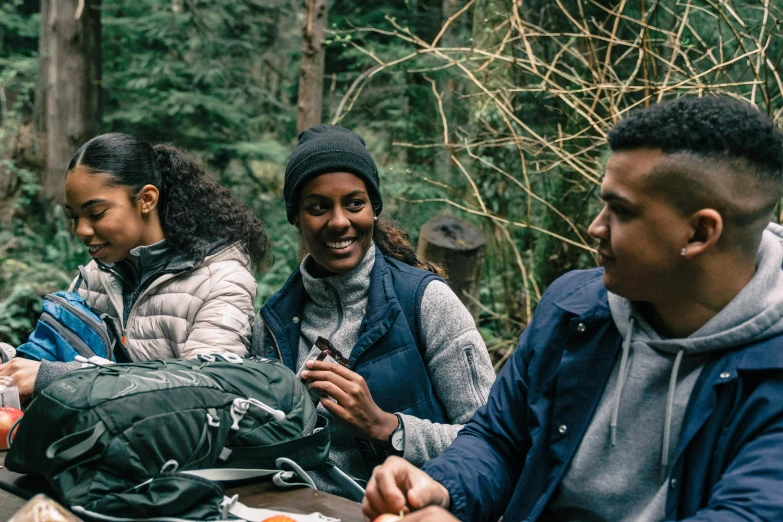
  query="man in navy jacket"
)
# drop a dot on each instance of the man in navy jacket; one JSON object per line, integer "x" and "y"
{"x": 649, "y": 389}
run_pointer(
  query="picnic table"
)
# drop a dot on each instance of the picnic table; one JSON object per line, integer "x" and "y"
{"x": 15, "y": 489}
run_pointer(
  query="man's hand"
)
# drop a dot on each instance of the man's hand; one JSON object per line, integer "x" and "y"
{"x": 397, "y": 485}
{"x": 24, "y": 372}
{"x": 355, "y": 405}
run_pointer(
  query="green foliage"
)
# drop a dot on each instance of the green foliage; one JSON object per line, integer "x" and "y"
{"x": 193, "y": 77}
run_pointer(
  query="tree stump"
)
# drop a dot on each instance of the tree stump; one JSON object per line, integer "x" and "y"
{"x": 459, "y": 247}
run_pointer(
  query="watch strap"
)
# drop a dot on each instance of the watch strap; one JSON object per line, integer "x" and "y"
{"x": 400, "y": 428}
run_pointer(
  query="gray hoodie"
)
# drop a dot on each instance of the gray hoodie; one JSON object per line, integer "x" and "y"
{"x": 620, "y": 469}
{"x": 455, "y": 355}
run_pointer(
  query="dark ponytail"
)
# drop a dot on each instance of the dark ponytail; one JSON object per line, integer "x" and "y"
{"x": 394, "y": 243}
{"x": 196, "y": 212}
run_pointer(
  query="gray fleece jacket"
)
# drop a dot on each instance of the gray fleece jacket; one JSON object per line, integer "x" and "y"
{"x": 448, "y": 331}
{"x": 619, "y": 472}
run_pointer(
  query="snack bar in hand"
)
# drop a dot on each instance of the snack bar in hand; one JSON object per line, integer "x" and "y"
{"x": 323, "y": 350}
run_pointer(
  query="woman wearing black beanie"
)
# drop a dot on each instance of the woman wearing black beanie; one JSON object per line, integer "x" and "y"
{"x": 413, "y": 365}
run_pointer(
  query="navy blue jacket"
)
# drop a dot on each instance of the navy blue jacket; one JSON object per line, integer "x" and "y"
{"x": 510, "y": 458}
{"x": 388, "y": 353}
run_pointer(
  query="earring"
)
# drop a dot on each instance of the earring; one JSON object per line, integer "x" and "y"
{"x": 376, "y": 218}
{"x": 682, "y": 252}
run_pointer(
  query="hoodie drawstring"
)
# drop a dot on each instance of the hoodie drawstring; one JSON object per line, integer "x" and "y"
{"x": 620, "y": 382}
{"x": 667, "y": 423}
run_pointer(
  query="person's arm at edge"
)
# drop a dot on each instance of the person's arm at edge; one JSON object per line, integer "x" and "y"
{"x": 480, "y": 469}
{"x": 449, "y": 332}
{"x": 223, "y": 322}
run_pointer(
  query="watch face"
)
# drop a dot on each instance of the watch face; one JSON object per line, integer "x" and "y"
{"x": 397, "y": 440}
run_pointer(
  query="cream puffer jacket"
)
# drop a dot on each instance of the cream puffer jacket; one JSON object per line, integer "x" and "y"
{"x": 204, "y": 310}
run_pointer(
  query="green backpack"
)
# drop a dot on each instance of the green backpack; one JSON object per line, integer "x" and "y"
{"x": 148, "y": 440}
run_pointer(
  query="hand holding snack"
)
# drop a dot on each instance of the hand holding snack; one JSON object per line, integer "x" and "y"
{"x": 347, "y": 396}
{"x": 322, "y": 350}
{"x": 24, "y": 372}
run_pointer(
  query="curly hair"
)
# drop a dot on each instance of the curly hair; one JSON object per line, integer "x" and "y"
{"x": 394, "y": 242}
{"x": 710, "y": 126}
{"x": 196, "y": 212}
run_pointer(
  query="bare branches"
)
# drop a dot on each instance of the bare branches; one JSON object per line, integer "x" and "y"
{"x": 544, "y": 87}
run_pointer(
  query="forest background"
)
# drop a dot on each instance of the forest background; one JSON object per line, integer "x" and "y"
{"x": 495, "y": 111}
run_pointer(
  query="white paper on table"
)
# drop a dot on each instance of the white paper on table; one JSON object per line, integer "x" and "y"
{"x": 259, "y": 514}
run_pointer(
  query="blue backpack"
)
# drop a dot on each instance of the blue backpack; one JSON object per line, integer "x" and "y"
{"x": 69, "y": 327}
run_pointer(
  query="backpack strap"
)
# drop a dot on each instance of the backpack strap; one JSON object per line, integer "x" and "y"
{"x": 351, "y": 484}
{"x": 81, "y": 278}
{"x": 309, "y": 451}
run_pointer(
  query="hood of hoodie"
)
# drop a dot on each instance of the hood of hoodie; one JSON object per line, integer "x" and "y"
{"x": 754, "y": 314}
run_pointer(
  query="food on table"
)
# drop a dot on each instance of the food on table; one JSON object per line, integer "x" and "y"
{"x": 279, "y": 518}
{"x": 8, "y": 417}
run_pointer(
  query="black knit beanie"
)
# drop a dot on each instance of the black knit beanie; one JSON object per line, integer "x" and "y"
{"x": 329, "y": 148}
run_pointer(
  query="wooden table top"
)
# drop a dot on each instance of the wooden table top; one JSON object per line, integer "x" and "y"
{"x": 262, "y": 494}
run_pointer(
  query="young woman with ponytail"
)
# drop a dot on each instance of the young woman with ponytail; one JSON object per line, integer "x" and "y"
{"x": 171, "y": 250}
{"x": 417, "y": 367}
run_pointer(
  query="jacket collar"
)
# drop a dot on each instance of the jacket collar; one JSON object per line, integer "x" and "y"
{"x": 288, "y": 302}
{"x": 381, "y": 294}
{"x": 762, "y": 355}
{"x": 348, "y": 288}
{"x": 588, "y": 302}
{"x": 283, "y": 311}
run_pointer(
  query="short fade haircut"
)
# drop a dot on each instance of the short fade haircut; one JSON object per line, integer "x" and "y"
{"x": 720, "y": 153}
{"x": 709, "y": 126}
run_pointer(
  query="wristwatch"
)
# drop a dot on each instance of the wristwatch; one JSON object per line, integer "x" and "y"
{"x": 397, "y": 438}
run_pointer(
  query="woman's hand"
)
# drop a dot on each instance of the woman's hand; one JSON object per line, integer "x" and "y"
{"x": 355, "y": 405}
{"x": 397, "y": 485}
{"x": 24, "y": 372}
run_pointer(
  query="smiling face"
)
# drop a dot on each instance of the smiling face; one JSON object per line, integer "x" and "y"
{"x": 641, "y": 235}
{"x": 336, "y": 220}
{"x": 106, "y": 218}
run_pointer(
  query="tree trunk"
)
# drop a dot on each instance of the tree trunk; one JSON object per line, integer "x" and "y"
{"x": 42, "y": 78}
{"x": 311, "y": 72}
{"x": 458, "y": 247}
{"x": 71, "y": 114}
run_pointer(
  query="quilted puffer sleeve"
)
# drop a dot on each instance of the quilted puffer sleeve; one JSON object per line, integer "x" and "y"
{"x": 223, "y": 322}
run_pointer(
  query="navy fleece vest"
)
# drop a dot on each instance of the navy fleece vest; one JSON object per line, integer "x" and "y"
{"x": 388, "y": 353}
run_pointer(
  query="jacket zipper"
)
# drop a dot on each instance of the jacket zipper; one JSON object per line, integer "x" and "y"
{"x": 95, "y": 325}
{"x": 473, "y": 372}
{"x": 154, "y": 284}
{"x": 339, "y": 310}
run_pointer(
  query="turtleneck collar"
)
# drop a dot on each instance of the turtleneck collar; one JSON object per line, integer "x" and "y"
{"x": 348, "y": 288}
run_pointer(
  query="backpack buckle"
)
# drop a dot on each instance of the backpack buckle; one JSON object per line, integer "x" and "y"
{"x": 212, "y": 421}
{"x": 227, "y": 505}
{"x": 238, "y": 409}
{"x": 229, "y": 357}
